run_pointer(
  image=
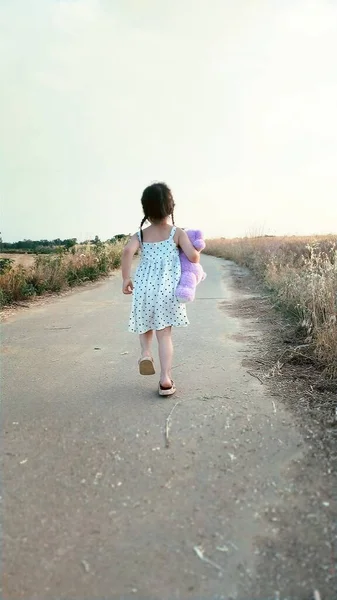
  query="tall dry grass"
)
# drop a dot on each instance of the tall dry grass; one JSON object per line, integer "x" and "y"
{"x": 302, "y": 273}
{"x": 58, "y": 272}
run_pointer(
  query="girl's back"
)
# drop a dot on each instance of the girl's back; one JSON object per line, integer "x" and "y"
{"x": 159, "y": 244}
{"x": 155, "y": 305}
{"x": 155, "y": 234}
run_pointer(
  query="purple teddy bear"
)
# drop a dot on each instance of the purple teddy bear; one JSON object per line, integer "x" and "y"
{"x": 191, "y": 273}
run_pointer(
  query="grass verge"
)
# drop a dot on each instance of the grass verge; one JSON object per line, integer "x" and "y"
{"x": 301, "y": 273}
{"x": 57, "y": 272}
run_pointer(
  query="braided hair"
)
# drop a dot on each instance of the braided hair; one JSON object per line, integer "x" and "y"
{"x": 157, "y": 202}
{"x": 141, "y": 225}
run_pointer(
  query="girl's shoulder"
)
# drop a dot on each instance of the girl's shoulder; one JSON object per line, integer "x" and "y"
{"x": 179, "y": 231}
{"x": 133, "y": 243}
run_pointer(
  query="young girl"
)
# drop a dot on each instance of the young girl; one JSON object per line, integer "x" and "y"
{"x": 154, "y": 304}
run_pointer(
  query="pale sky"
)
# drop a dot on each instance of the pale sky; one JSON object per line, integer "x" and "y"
{"x": 232, "y": 103}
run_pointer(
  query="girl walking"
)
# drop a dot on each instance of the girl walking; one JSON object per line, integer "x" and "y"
{"x": 154, "y": 304}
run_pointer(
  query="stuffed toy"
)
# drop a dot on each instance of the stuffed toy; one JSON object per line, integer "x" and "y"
{"x": 191, "y": 273}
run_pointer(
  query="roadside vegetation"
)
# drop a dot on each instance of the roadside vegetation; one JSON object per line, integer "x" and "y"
{"x": 301, "y": 274}
{"x": 65, "y": 266}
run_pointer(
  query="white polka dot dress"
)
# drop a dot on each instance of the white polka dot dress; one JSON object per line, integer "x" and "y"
{"x": 154, "y": 304}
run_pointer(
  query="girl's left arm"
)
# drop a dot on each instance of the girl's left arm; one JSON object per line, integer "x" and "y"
{"x": 128, "y": 253}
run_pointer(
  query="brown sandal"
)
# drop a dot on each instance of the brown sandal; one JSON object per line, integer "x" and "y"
{"x": 146, "y": 366}
{"x": 167, "y": 391}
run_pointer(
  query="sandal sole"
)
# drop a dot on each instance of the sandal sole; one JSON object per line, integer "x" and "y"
{"x": 146, "y": 367}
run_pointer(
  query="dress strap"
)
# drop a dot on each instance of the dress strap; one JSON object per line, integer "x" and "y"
{"x": 173, "y": 230}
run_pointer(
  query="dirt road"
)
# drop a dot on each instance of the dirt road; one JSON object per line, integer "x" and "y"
{"x": 96, "y": 506}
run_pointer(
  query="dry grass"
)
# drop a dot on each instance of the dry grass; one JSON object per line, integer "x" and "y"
{"x": 302, "y": 274}
{"x": 57, "y": 272}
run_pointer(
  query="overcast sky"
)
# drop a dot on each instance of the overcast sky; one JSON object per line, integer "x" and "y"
{"x": 233, "y": 104}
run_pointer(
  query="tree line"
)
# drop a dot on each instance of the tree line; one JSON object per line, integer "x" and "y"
{"x": 41, "y": 246}
{"x": 35, "y": 244}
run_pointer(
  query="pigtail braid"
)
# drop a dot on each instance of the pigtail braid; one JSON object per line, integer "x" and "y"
{"x": 141, "y": 225}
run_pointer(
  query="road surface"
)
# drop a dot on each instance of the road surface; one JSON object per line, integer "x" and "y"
{"x": 95, "y": 505}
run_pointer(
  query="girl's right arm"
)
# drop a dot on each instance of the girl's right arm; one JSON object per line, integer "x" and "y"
{"x": 127, "y": 256}
{"x": 187, "y": 247}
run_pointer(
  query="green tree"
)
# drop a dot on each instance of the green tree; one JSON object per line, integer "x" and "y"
{"x": 69, "y": 243}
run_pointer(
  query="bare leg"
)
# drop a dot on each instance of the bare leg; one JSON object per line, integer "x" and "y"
{"x": 165, "y": 346}
{"x": 145, "y": 343}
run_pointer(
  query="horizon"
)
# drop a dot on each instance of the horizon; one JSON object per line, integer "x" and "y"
{"x": 232, "y": 106}
{"x": 80, "y": 241}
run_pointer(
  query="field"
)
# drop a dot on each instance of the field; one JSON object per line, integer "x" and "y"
{"x": 33, "y": 275}
{"x": 26, "y": 260}
{"x": 301, "y": 274}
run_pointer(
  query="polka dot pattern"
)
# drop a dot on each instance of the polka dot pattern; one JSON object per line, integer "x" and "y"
{"x": 154, "y": 303}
